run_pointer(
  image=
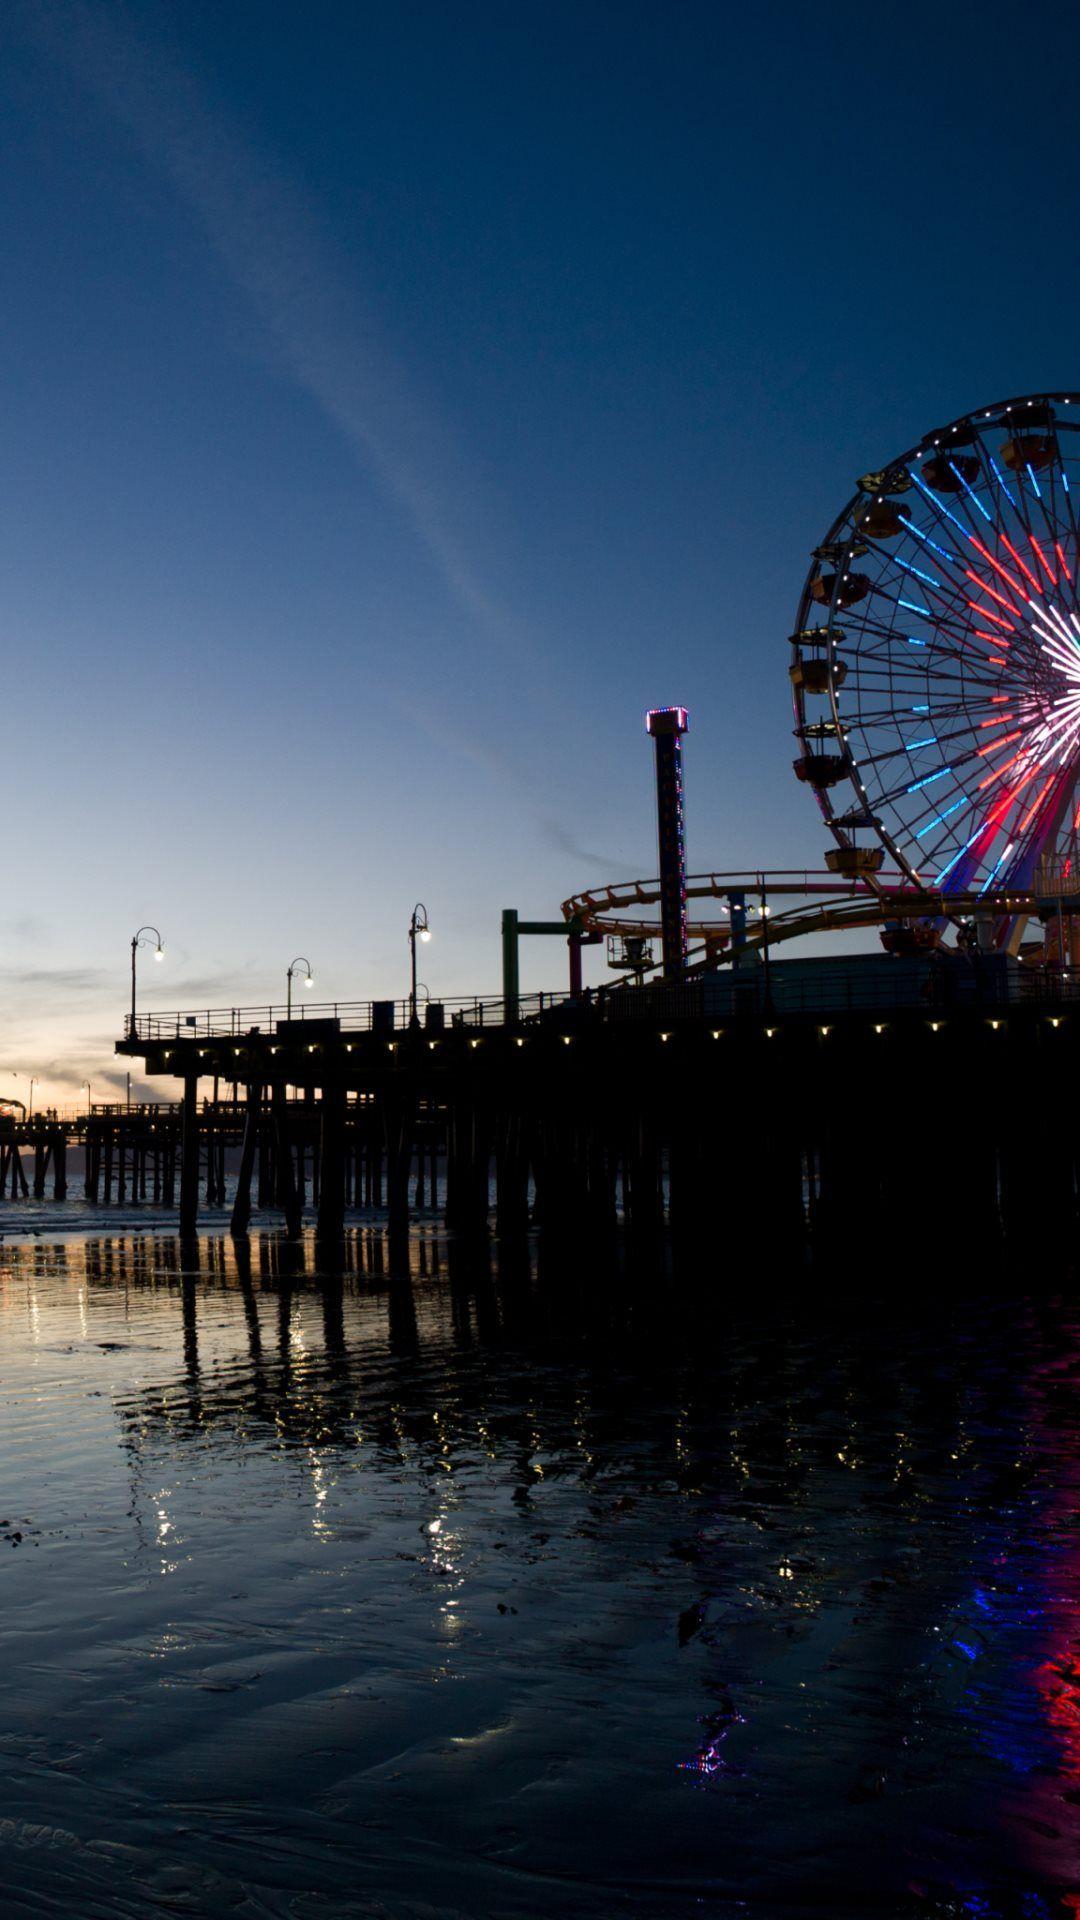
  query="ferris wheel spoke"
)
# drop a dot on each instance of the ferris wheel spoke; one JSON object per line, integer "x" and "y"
{"x": 1022, "y": 497}
{"x": 956, "y": 594}
{"x": 990, "y": 829}
{"x": 1032, "y": 764}
{"x": 892, "y": 652}
{"x": 1005, "y": 573}
{"x": 953, "y": 596}
{"x": 955, "y": 818}
{"x": 980, "y": 750}
{"x": 946, "y": 616}
{"x": 915, "y": 675}
{"x": 889, "y": 655}
{"x": 1069, "y": 529}
{"x": 1032, "y": 502}
{"x": 980, "y": 797}
{"x": 919, "y": 653}
{"x": 933, "y": 811}
{"x": 1060, "y": 535}
{"x": 992, "y": 771}
{"x": 906, "y": 788}
{"x": 945, "y": 518}
{"x": 887, "y": 716}
{"x": 971, "y": 536}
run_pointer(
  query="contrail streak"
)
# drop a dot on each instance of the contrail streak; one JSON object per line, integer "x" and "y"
{"x": 265, "y": 237}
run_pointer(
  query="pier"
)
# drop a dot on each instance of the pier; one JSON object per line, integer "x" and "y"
{"x": 815, "y": 1125}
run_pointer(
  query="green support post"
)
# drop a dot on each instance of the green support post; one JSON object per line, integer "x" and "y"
{"x": 570, "y": 930}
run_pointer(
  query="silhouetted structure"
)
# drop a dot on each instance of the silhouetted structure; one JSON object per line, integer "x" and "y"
{"x": 674, "y": 1106}
{"x": 667, "y": 726}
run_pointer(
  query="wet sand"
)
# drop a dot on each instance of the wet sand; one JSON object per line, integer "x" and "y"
{"x": 505, "y": 1593}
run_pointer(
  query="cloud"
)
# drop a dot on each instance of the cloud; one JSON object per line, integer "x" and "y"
{"x": 78, "y": 979}
{"x": 206, "y": 989}
{"x": 28, "y": 930}
{"x": 266, "y": 238}
{"x": 564, "y": 841}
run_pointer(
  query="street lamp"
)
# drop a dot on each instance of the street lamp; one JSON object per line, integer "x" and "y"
{"x": 159, "y": 954}
{"x": 300, "y": 961}
{"x": 418, "y": 927}
{"x": 30, "y": 1108}
{"x": 89, "y": 1095}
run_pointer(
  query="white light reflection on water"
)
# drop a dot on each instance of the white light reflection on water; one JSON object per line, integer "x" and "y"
{"x": 478, "y": 1605}
{"x": 321, "y": 1482}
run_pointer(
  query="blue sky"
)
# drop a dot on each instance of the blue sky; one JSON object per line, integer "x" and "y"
{"x": 398, "y": 401}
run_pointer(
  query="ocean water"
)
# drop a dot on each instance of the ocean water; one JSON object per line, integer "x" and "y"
{"x": 538, "y": 1586}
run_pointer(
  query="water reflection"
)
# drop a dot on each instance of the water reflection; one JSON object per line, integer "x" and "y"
{"x": 564, "y": 1592}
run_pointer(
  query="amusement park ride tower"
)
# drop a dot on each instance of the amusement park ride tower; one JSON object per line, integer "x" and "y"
{"x": 667, "y": 725}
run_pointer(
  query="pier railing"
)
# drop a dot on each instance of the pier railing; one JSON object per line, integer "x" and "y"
{"x": 826, "y": 989}
{"x": 346, "y": 1016}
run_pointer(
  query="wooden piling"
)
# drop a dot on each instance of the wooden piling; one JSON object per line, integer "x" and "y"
{"x": 241, "y": 1213}
{"x": 397, "y": 1133}
{"x": 189, "y": 1157}
{"x": 92, "y": 1175}
{"x": 288, "y": 1198}
{"x": 331, "y": 1175}
{"x": 19, "y": 1187}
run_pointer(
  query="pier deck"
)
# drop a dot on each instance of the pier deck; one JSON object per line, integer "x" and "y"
{"x": 648, "y": 1107}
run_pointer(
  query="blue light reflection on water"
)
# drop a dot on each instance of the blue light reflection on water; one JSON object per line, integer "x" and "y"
{"x": 475, "y": 1593}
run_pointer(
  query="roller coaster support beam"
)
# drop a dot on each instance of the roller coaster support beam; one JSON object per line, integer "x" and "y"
{"x": 737, "y": 923}
{"x": 572, "y": 931}
{"x": 666, "y": 725}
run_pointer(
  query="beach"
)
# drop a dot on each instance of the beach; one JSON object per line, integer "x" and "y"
{"x": 509, "y": 1587}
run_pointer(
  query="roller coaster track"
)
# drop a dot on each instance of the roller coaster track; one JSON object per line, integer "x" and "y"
{"x": 825, "y": 904}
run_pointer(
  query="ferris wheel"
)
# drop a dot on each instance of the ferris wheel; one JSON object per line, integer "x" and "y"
{"x": 936, "y": 664}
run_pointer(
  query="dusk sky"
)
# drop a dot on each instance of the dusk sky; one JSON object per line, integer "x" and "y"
{"x": 399, "y": 400}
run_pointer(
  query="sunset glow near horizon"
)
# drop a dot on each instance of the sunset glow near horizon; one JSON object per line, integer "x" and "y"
{"x": 401, "y": 402}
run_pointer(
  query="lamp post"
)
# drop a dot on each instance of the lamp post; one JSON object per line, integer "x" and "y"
{"x": 300, "y": 961}
{"x": 418, "y": 928}
{"x": 89, "y": 1095}
{"x": 30, "y": 1107}
{"x": 159, "y": 954}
